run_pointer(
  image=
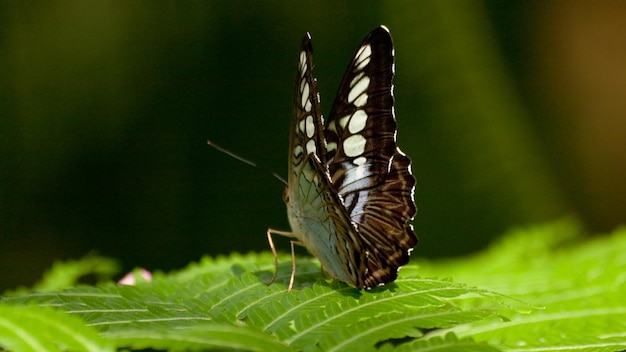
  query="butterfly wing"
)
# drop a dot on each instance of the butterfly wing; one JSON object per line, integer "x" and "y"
{"x": 307, "y": 125}
{"x": 316, "y": 213}
{"x": 372, "y": 175}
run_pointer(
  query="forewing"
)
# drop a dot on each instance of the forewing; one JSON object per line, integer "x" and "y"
{"x": 369, "y": 172}
{"x": 307, "y": 126}
{"x": 361, "y": 128}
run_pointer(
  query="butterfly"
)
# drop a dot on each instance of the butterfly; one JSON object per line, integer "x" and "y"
{"x": 350, "y": 189}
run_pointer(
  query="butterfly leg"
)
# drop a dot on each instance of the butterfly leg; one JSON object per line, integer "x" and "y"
{"x": 293, "y": 264}
{"x": 273, "y": 248}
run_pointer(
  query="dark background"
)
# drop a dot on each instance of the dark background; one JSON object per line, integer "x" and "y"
{"x": 513, "y": 113}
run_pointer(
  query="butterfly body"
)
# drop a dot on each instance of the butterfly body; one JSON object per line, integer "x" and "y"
{"x": 350, "y": 189}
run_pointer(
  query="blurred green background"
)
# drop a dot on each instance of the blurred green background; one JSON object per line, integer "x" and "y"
{"x": 513, "y": 113}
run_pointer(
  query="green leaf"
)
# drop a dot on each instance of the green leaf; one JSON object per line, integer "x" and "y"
{"x": 574, "y": 289}
{"x": 220, "y": 305}
{"x": 197, "y": 338}
{"x": 27, "y": 328}
{"x": 580, "y": 283}
{"x": 69, "y": 273}
{"x": 449, "y": 342}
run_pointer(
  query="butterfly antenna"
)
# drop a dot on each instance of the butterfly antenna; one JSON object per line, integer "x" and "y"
{"x": 244, "y": 160}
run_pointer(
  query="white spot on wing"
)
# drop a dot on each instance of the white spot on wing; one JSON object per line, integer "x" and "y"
{"x": 358, "y": 121}
{"x": 331, "y": 126}
{"x": 360, "y": 171}
{"x": 361, "y": 100}
{"x": 363, "y": 57}
{"x": 364, "y": 63}
{"x": 343, "y": 121}
{"x": 310, "y": 126}
{"x": 310, "y": 147}
{"x": 359, "y": 161}
{"x": 301, "y": 126}
{"x": 305, "y": 94}
{"x": 331, "y": 146}
{"x": 356, "y": 79}
{"x": 354, "y": 145}
{"x": 297, "y": 151}
{"x": 302, "y": 63}
{"x": 355, "y": 178}
{"x": 359, "y": 88}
